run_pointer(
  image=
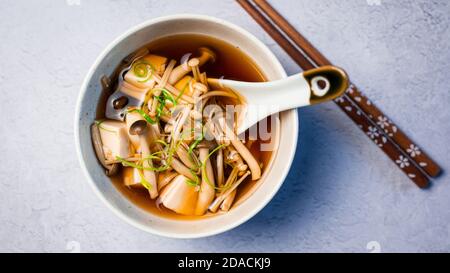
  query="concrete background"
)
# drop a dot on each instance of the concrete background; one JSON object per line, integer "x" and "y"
{"x": 342, "y": 191}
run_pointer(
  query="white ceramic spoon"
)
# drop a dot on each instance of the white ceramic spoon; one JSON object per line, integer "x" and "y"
{"x": 263, "y": 99}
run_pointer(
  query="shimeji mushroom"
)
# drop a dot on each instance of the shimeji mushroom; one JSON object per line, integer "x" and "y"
{"x": 242, "y": 150}
{"x": 221, "y": 129}
{"x": 131, "y": 118}
{"x": 180, "y": 168}
{"x": 220, "y": 167}
{"x": 219, "y": 199}
{"x": 140, "y": 128}
{"x": 189, "y": 159}
{"x": 187, "y": 172}
{"x": 206, "y": 55}
{"x": 207, "y": 187}
{"x": 152, "y": 132}
{"x": 235, "y": 159}
{"x": 157, "y": 91}
{"x": 228, "y": 202}
{"x": 179, "y": 122}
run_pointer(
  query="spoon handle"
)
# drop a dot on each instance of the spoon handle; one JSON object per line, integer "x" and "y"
{"x": 311, "y": 87}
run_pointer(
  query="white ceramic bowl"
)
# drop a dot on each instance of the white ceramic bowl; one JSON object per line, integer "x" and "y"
{"x": 135, "y": 38}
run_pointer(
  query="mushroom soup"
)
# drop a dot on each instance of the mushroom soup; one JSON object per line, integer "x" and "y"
{"x": 162, "y": 132}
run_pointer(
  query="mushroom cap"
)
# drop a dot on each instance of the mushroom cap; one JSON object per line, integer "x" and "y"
{"x": 193, "y": 62}
{"x": 138, "y": 128}
{"x": 205, "y": 50}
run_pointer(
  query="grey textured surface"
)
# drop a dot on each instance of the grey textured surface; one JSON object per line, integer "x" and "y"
{"x": 342, "y": 191}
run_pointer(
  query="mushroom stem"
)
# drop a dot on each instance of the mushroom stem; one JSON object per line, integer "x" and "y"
{"x": 214, "y": 130}
{"x": 226, "y": 204}
{"x": 189, "y": 160}
{"x": 207, "y": 187}
{"x": 182, "y": 169}
{"x": 230, "y": 180}
{"x": 235, "y": 159}
{"x": 175, "y": 92}
{"x": 196, "y": 113}
{"x": 219, "y": 199}
{"x": 140, "y": 128}
{"x": 176, "y": 131}
{"x": 166, "y": 74}
{"x": 150, "y": 176}
{"x": 206, "y": 55}
{"x": 193, "y": 64}
{"x": 220, "y": 167}
{"x": 204, "y": 79}
{"x": 161, "y": 84}
{"x": 242, "y": 150}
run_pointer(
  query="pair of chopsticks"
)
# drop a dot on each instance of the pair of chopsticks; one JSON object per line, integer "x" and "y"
{"x": 414, "y": 162}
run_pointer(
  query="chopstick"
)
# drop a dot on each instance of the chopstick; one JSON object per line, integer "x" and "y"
{"x": 430, "y": 167}
{"x": 386, "y": 135}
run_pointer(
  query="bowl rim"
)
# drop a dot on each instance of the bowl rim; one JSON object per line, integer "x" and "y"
{"x": 83, "y": 90}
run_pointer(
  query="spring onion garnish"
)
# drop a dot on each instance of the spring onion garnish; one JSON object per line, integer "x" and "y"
{"x": 99, "y": 124}
{"x": 191, "y": 183}
{"x": 162, "y": 142}
{"x": 156, "y": 169}
{"x": 144, "y": 181}
{"x": 171, "y": 151}
{"x": 168, "y": 96}
{"x": 127, "y": 163}
{"x": 143, "y": 70}
{"x": 195, "y": 144}
{"x": 139, "y": 165}
{"x": 144, "y": 115}
{"x": 203, "y": 166}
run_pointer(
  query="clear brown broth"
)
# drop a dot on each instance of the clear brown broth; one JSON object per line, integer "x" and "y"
{"x": 231, "y": 63}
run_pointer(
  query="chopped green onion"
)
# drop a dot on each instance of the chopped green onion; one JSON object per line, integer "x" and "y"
{"x": 143, "y": 69}
{"x": 191, "y": 183}
{"x": 128, "y": 163}
{"x": 195, "y": 144}
{"x": 203, "y": 166}
{"x": 144, "y": 115}
{"x": 99, "y": 124}
{"x": 139, "y": 166}
{"x": 168, "y": 96}
{"x": 162, "y": 142}
{"x": 144, "y": 182}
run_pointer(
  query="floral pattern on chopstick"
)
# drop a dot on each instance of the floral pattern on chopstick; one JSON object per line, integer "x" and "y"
{"x": 395, "y": 142}
{"x": 413, "y": 150}
{"x": 377, "y": 135}
{"x": 392, "y": 131}
{"x": 402, "y": 162}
